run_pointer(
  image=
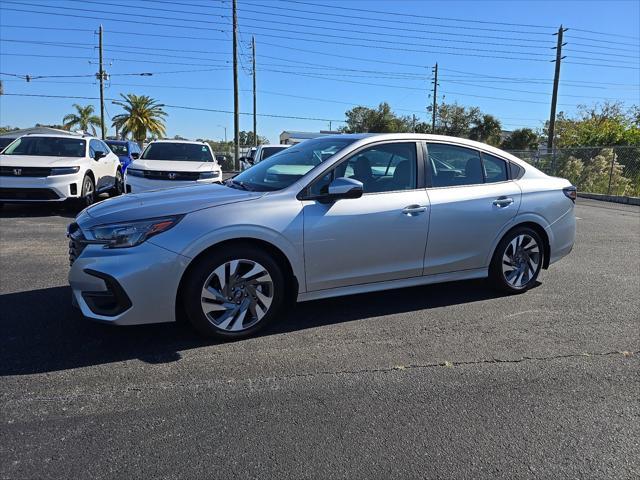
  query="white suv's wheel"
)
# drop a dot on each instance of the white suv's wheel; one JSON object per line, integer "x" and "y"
{"x": 234, "y": 293}
{"x": 88, "y": 192}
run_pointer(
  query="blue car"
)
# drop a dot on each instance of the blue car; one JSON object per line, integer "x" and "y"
{"x": 126, "y": 151}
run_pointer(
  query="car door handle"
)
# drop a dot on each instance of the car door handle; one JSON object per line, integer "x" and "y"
{"x": 414, "y": 209}
{"x": 502, "y": 202}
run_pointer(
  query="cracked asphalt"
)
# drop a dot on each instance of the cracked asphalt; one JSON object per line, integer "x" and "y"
{"x": 444, "y": 381}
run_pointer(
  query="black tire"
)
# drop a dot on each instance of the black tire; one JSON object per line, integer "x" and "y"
{"x": 118, "y": 186}
{"x": 203, "y": 271}
{"x": 525, "y": 265}
{"x": 88, "y": 191}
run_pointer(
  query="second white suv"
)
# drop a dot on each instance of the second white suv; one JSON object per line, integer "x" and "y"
{"x": 172, "y": 163}
{"x": 55, "y": 168}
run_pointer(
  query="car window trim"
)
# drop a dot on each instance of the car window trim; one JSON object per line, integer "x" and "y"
{"x": 420, "y": 175}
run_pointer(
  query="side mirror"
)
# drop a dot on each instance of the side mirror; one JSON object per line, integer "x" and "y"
{"x": 343, "y": 188}
{"x": 135, "y": 155}
{"x": 98, "y": 155}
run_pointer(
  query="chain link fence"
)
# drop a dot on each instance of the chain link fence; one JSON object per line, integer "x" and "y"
{"x": 606, "y": 170}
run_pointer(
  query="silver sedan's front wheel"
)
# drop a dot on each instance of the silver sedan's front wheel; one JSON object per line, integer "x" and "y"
{"x": 517, "y": 260}
{"x": 234, "y": 292}
{"x": 237, "y": 295}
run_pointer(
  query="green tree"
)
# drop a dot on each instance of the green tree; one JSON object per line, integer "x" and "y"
{"x": 246, "y": 139}
{"x": 375, "y": 120}
{"x": 487, "y": 129}
{"x": 7, "y": 129}
{"x": 456, "y": 120}
{"x": 83, "y": 119}
{"x": 595, "y": 174}
{"x": 143, "y": 116}
{"x": 521, "y": 139}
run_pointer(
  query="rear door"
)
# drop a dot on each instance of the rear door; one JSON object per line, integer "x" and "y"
{"x": 472, "y": 200}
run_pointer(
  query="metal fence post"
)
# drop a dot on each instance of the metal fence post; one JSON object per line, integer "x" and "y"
{"x": 613, "y": 162}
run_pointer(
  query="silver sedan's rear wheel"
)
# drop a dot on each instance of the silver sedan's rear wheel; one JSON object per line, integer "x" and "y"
{"x": 517, "y": 260}
{"x": 233, "y": 293}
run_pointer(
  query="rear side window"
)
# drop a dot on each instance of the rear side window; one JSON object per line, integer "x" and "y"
{"x": 516, "y": 171}
{"x": 495, "y": 169}
{"x": 451, "y": 165}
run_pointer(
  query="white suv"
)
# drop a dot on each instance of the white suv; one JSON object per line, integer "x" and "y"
{"x": 172, "y": 163}
{"x": 55, "y": 168}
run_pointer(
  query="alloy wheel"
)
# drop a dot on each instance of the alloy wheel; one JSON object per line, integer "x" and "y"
{"x": 521, "y": 260}
{"x": 237, "y": 295}
{"x": 88, "y": 191}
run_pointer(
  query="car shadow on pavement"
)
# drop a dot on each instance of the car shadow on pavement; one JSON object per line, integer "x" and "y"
{"x": 65, "y": 210}
{"x": 42, "y": 332}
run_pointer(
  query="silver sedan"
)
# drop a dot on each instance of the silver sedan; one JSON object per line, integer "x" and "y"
{"x": 337, "y": 215}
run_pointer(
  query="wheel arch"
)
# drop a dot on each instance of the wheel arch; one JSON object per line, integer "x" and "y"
{"x": 292, "y": 285}
{"x": 539, "y": 229}
{"x": 92, "y": 175}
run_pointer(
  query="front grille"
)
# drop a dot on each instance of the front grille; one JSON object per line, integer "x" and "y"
{"x": 76, "y": 242}
{"x": 168, "y": 175}
{"x": 24, "y": 172}
{"x": 28, "y": 194}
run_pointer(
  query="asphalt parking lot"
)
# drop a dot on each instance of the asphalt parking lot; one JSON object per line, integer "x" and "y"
{"x": 446, "y": 381}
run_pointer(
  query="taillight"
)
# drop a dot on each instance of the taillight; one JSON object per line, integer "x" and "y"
{"x": 570, "y": 192}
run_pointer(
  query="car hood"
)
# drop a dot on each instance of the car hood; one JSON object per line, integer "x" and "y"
{"x": 172, "y": 166}
{"x": 38, "y": 161}
{"x": 159, "y": 203}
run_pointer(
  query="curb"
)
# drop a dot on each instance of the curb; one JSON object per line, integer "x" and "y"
{"x": 611, "y": 198}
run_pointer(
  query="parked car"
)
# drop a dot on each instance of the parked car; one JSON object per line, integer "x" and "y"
{"x": 172, "y": 163}
{"x": 126, "y": 150}
{"x": 259, "y": 153}
{"x": 331, "y": 216}
{"x": 55, "y": 168}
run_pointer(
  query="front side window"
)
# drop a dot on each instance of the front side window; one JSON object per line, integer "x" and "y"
{"x": 47, "y": 146}
{"x": 451, "y": 165}
{"x": 285, "y": 168}
{"x": 187, "y": 152}
{"x": 495, "y": 169}
{"x": 382, "y": 168}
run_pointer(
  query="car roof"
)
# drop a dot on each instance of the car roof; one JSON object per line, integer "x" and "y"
{"x": 57, "y": 135}
{"x": 118, "y": 142}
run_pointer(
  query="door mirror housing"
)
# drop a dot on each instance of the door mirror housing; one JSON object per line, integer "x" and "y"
{"x": 98, "y": 155}
{"x": 343, "y": 188}
{"x": 135, "y": 155}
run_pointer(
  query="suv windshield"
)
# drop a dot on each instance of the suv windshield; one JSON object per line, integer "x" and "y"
{"x": 119, "y": 149}
{"x": 187, "y": 152}
{"x": 285, "y": 167}
{"x": 47, "y": 146}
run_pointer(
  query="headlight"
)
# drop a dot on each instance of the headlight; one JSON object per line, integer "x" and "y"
{"x": 205, "y": 175}
{"x": 135, "y": 173}
{"x": 64, "y": 170}
{"x": 130, "y": 234}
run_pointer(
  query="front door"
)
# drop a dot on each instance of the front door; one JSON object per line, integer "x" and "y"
{"x": 378, "y": 237}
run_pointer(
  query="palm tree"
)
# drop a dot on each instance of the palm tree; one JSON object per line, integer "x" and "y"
{"x": 143, "y": 114}
{"x": 83, "y": 118}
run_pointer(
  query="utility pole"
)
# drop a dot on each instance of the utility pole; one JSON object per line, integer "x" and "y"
{"x": 556, "y": 81}
{"x": 101, "y": 76}
{"x": 435, "y": 98}
{"x": 236, "y": 102}
{"x": 255, "y": 123}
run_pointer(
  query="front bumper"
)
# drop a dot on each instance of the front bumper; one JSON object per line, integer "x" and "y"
{"x": 56, "y": 188}
{"x": 141, "y": 184}
{"x": 127, "y": 286}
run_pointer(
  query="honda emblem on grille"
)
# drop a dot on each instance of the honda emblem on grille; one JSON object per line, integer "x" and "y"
{"x": 172, "y": 176}
{"x": 17, "y": 172}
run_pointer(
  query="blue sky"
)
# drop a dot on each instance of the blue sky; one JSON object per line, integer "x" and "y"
{"x": 307, "y": 67}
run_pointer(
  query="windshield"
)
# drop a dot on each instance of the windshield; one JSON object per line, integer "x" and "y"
{"x": 186, "y": 152}
{"x": 286, "y": 167}
{"x": 4, "y": 142}
{"x": 47, "y": 146}
{"x": 268, "y": 151}
{"x": 119, "y": 149}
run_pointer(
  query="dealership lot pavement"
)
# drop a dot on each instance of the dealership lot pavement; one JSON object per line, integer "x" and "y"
{"x": 447, "y": 381}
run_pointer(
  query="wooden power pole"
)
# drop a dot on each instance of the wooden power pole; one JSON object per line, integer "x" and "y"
{"x": 435, "y": 98}
{"x": 236, "y": 101}
{"x": 255, "y": 122}
{"x": 101, "y": 76}
{"x": 554, "y": 97}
